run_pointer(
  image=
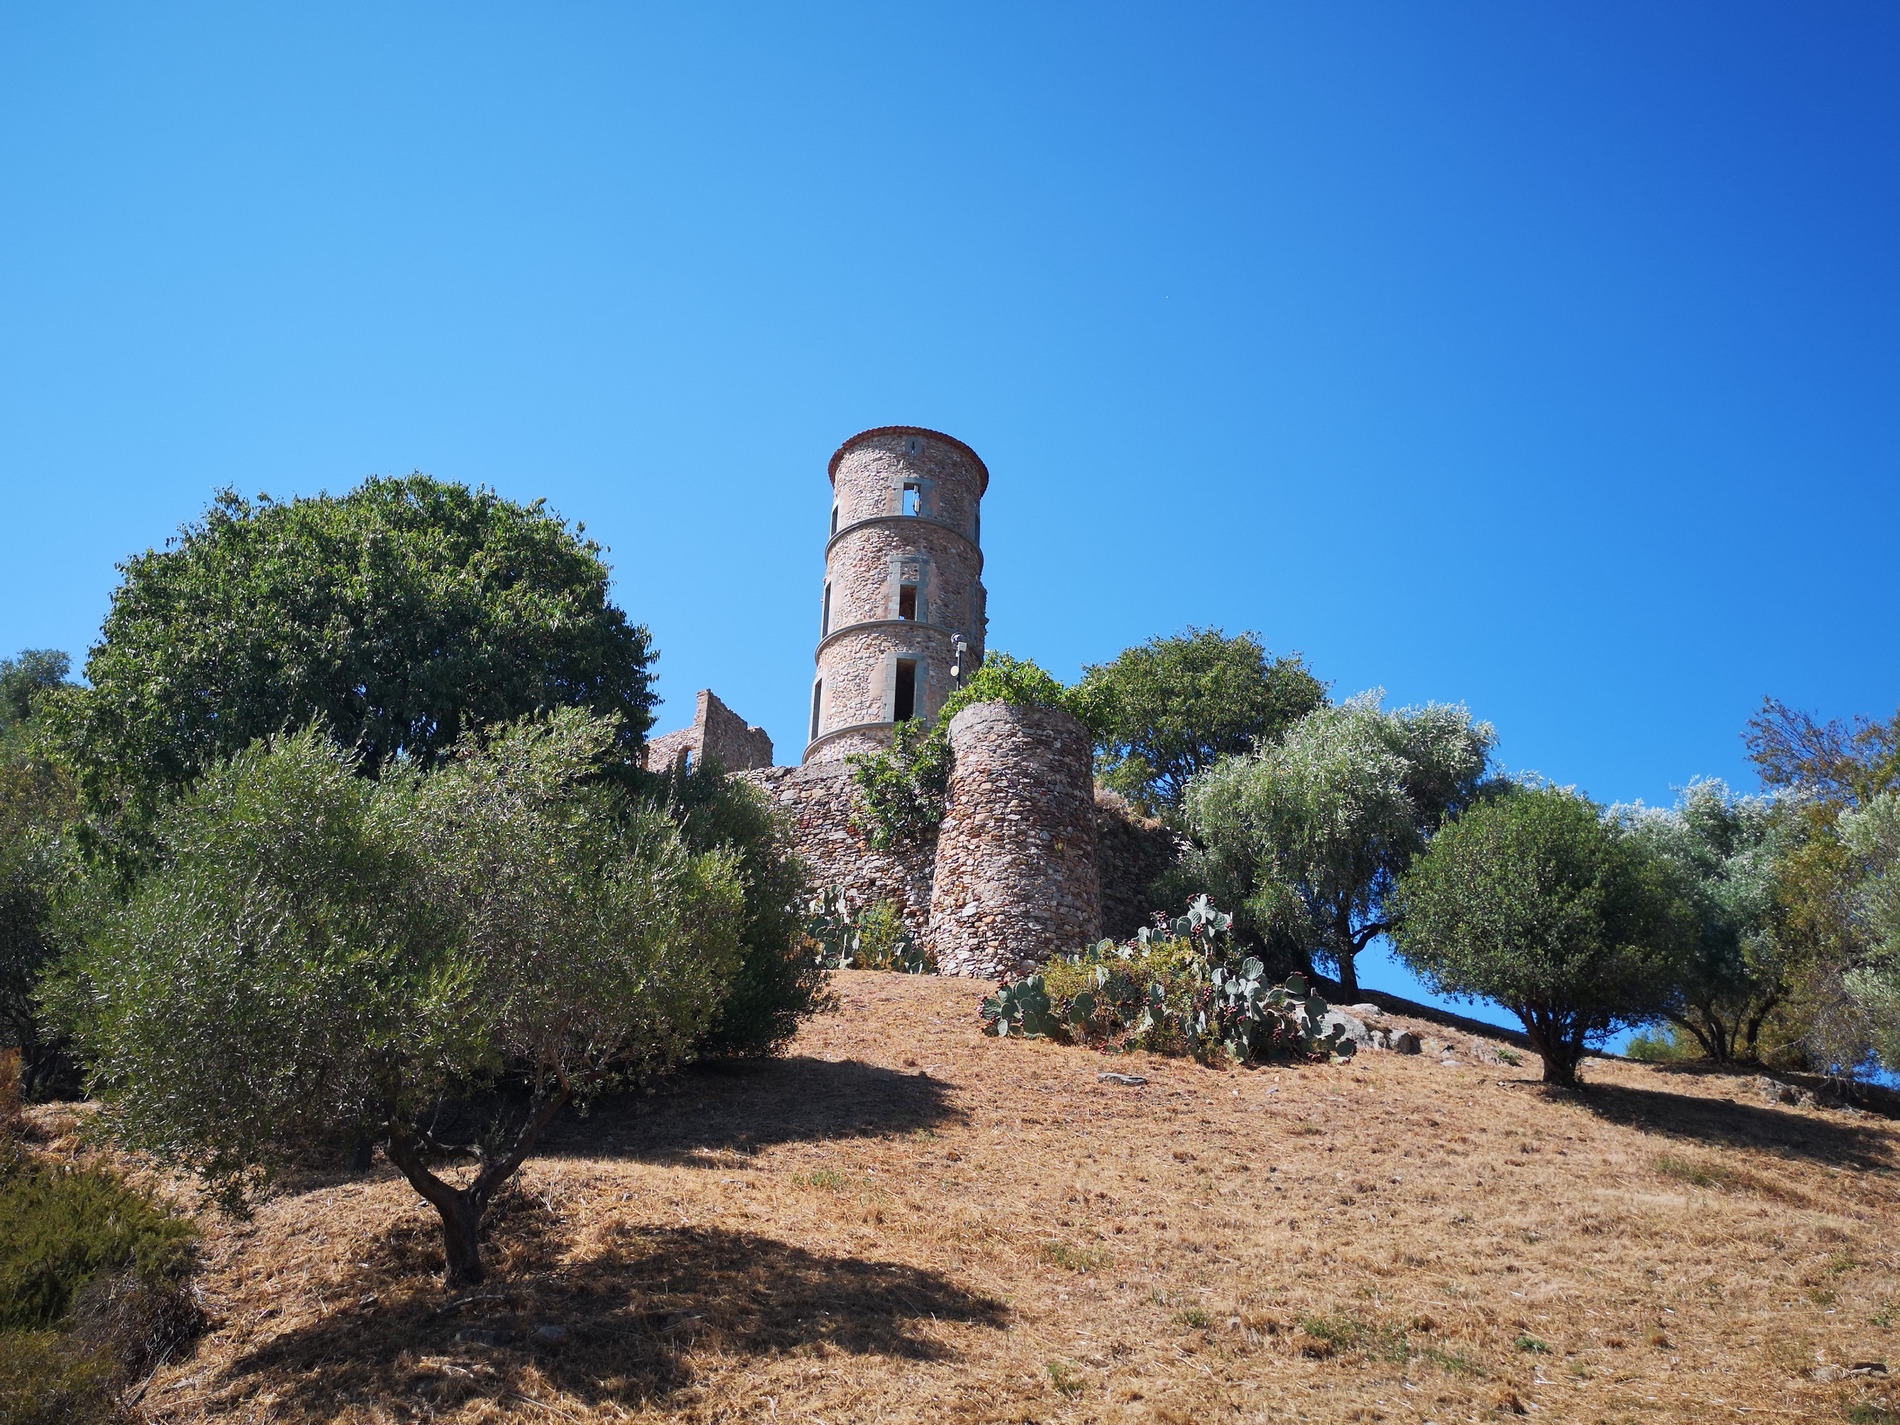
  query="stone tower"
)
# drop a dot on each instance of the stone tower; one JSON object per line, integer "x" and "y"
{"x": 903, "y": 584}
{"x": 1015, "y": 879}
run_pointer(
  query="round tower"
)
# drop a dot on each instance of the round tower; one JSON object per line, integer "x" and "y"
{"x": 903, "y": 586}
{"x": 1015, "y": 879}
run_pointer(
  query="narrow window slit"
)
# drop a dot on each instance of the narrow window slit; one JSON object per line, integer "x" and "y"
{"x": 907, "y": 601}
{"x": 905, "y": 704}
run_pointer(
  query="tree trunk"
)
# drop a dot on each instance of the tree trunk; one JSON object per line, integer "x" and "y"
{"x": 461, "y": 1209}
{"x": 1684, "y": 1022}
{"x": 1559, "y": 1053}
{"x": 461, "y": 1241}
{"x": 1348, "y": 956}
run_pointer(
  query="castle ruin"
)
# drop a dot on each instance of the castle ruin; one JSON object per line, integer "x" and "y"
{"x": 1030, "y": 859}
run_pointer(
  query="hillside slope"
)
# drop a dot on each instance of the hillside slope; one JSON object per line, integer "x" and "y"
{"x": 906, "y": 1221}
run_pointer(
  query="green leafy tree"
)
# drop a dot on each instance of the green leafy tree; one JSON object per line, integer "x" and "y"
{"x": 1872, "y": 835}
{"x": 1309, "y": 834}
{"x": 1536, "y": 901}
{"x": 1828, "y": 769}
{"x": 400, "y": 615}
{"x": 27, "y": 679}
{"x": 38, "y": 810}
{"x": 1169, "y": 709}
{"x": 781, "y": 978}
{"x": 1735, "y": 971}
{"x": 38, "y": 806}
{"x": 438, "y": 963}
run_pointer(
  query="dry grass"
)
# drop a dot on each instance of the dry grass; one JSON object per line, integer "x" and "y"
{"x": 905, "y": 1221}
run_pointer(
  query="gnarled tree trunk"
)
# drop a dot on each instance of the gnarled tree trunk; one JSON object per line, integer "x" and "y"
{"x": 461, "y": 1209}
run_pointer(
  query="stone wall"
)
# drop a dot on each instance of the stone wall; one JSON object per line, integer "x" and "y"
{"x": 1015, "y": 875}
{"x": 717, "y": 731}
{"x": 818, "y": 801}
{"x": 1131, "y": 851}
{"x": 1128, "y": 851}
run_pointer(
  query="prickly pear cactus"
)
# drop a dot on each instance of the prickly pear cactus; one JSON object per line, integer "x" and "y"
{"x": 1022, "y": 1009}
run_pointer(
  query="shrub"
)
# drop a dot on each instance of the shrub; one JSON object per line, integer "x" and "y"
{"x": 59, "y": 1230}
{"x": 1178, "y": 990}
{"x": 94, "y": 1290}
{"x": 874, "y": 938}
{"x": 46, "y": 1379}
{"x": 780, "y": 981}
{"x": 1666, "y": 1044}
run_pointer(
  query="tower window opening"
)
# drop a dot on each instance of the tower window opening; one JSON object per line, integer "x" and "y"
{"x": 913, "y": 498}
{"x": 834, "y": 519}
{"x": 817, "y": 698}
{"x": 976, "y": 527}
{"x": 904, "y": 705}
{"x": 824, "y": 626}
{"x": 907, "y": 601}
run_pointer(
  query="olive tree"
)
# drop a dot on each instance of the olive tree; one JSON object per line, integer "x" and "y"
{"x": 1309, "y": 834}
{"x": 1734, "y": 971}
{"x": 39, "y": 809}
{"x": 438, "y": 963}
{"x": 1872, "y": 833}
{"x": 1535, "y": 900}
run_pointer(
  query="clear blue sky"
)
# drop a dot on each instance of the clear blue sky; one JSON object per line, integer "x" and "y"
{"x": 1539, "y": 357}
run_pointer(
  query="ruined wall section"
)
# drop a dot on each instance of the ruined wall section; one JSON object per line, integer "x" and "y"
{"x": 1131, "y": 853}
{"x": 817, "y": 802}
{"x": 716, "y": 730}
{"x": 1015, "y": 878}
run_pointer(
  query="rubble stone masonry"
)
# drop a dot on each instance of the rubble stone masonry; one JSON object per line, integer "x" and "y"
{"x": 1015, "y": 879}
{"x": 903, "y": 577}
{"x": 717, "y": 731}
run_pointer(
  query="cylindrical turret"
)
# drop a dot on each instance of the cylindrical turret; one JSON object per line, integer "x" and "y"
{"x": 1015, "y": 878}
{"x": 903, "y": 581}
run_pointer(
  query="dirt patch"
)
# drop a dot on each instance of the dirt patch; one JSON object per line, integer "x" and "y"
{"x": 906, "y": 1221}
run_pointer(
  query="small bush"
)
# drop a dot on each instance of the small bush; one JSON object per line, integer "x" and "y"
{"x": 1075, "y": 1259}
{"x": 61, "y": 1229}
{"x": 1066, "y": 1377}
{"x": 46, "y": 1380}
{"x": 874, "y": 938}
{"x": 93, "y": 1291}
{"x": 900, "y": 792}
{"x": 9, "y": 1093}
{"x": 1664, "y": 1045}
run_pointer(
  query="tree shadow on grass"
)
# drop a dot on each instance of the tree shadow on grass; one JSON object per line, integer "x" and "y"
{"x": 1740, "y": 1125}
{"x": 634, "y": 1314}
{"x": 743, "y": 1106}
